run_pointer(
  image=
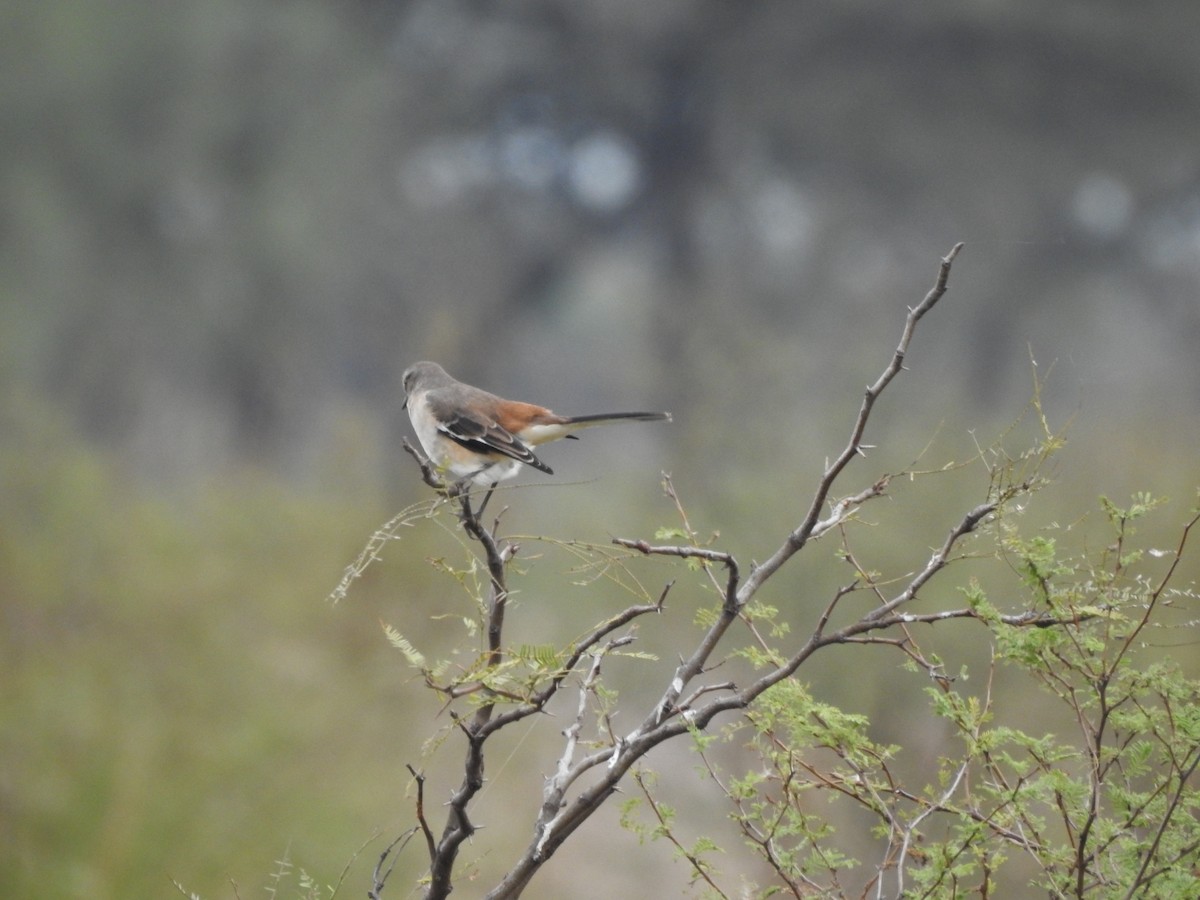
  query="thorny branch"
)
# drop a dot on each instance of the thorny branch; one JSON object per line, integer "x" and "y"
{"x": 854, "y": 447}
{"x": 558, "y": 818}
{"x": 561, "y": 813}
{"x": 497, "y": 555}
{"x": 381, "y": 874}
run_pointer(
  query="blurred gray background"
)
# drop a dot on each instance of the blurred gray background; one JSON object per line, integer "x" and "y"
{"x": 226, "y": 228}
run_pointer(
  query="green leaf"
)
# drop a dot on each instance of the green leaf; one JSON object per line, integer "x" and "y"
{"x": 415, "y": 658}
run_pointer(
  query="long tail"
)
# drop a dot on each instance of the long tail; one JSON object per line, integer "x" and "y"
{"x": 601, "y": 418}
{"x": 562, "y": 426}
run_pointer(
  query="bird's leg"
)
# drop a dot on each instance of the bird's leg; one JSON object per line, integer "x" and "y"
{"x": 486, "y": 498}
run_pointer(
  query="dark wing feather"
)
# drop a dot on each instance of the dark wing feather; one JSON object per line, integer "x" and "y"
{"x": 490, "y": 437}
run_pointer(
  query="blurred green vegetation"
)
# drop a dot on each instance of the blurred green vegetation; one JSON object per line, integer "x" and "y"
{"x": 176, "y": 694}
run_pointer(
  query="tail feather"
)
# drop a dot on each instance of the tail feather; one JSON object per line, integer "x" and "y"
{"x": 562, "y": 426}
{"x": 598, "y": 418}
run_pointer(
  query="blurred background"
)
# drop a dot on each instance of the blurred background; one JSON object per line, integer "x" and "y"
{"x": 226, "y": 228}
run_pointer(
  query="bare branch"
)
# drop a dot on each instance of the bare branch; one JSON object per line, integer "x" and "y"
{"x": 560, "y": 815}
{"x": 419, "y": 778}
{"x": 458, "y": 824}
{"x": 800, "y": 536}
{"x": 716, "y": 556}
{"x": 936, "y": 562}
{"x": 566, "y": 773}
{"x": 429, "y": 472}
{"x": 381, "y": 875}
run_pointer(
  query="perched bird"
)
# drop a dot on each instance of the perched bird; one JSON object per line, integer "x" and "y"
{"x": 477, "y": 436}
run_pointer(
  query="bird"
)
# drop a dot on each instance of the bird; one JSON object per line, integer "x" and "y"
{"x": 479, "y": 437}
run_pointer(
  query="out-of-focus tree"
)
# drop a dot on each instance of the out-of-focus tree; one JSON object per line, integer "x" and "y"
{"x": 223, "y": 225}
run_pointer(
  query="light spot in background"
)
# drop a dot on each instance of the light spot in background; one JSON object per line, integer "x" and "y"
{"x": 782, "y": 219}
{"x": 531, "y": 156}
{"x": 1102, "y": 206}
{"x": 601, "y": 172}
{"x": 1170, "y": 242}
{"x": 446, "y": 169}
{"x": 604, "y": 173}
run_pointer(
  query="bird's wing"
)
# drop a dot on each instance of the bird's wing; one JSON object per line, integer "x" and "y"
{"x": 486, "y": 436}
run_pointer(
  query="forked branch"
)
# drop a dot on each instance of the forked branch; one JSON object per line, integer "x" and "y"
{"x": 854, "y": 447}
{"x": 689, "y": 700}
